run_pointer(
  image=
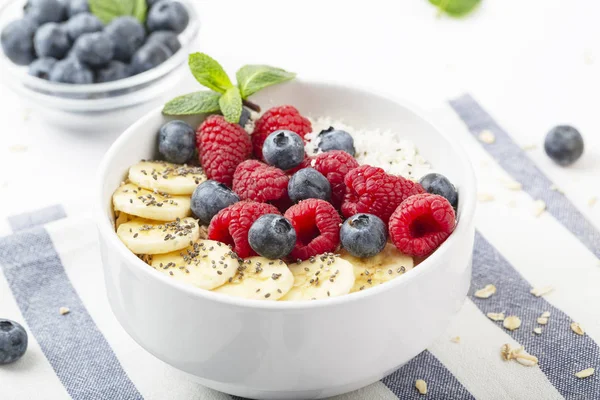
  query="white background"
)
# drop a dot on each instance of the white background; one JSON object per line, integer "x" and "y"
{"x": 532, "y": 63}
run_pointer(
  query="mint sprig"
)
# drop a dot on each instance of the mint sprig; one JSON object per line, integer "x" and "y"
{"x": 455, "y": 8}
{"x": 224, "y": 96}
{"x": 107, "y": 10}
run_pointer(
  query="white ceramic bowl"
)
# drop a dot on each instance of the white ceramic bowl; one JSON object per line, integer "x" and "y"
{"x": 100, "y": 106}
{"x": 293, "y": 350}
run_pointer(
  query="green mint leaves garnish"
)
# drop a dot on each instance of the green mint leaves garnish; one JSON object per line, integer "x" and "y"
{"x": 224, "y": 96}
{"x": 107, "y": 10}
{"x": 455, "y": 8}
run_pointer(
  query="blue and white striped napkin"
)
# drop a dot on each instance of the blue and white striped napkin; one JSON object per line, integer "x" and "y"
{"x": 51, "y": 260}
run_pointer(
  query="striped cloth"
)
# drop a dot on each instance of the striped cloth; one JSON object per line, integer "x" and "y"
{"x": 51, "y": 260}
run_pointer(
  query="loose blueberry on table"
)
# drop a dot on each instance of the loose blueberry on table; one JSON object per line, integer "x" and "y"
{"x": 238, "y": 206}
{"x": 13, "y": 341}
{"x": 86, "y": 41}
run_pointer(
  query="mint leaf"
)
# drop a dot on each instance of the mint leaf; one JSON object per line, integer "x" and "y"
{"x": 140, "y": 9}
{"x": 193, "y": 103}
{"x": 209, "y": 72}
{"x": 252, "y": 78}
{"x": 231, "y": 105}
{"x": 107, "y": 10}
{"x": 455, "y": 8}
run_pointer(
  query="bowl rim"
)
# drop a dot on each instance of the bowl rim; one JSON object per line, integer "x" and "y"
{"x": 35, "y": 85}
{"x": 464, "y": 225}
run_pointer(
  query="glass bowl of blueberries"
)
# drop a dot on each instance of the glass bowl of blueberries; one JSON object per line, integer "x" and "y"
{"x": 77, "y": 62}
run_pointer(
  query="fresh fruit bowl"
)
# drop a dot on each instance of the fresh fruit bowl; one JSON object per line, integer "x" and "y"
{"x": 98, "y": 106}
{"x": 292, "y": 350}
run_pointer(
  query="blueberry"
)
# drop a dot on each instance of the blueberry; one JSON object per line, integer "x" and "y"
{"x": 440, "y": 185}
{"x": 167, "y": 38}
{"x": 272, "y": 236}
{"x": 77, "y": 7}
{"x": 17, "y": 41}
{"x": 151, "y": 3}
{"x": 94, "y": 49}
{"x": 149, "y": 56}
{"x": 13, "y": 341}
{"x": 71, "y": 70}
{"x": 363, "y": 235}
{"x": 308, "y": 183}
{"x": 244, "y": 117}
{"x": 44, "y": 11}
{"x": 176, "y": 142}
{"x": 114, "y": 71}
{"x": 128, "y": 34}
{"x": 335, "y": 139}
{"x": 42, "y": 67}
{"x": 167, "y": 16}
{"x": 283, "y": 149}
{"x": 564, "y": 145}
{"x": 51, "y": 40}
{"x": 209, "y": 198}
{"x": 83, "y": 23}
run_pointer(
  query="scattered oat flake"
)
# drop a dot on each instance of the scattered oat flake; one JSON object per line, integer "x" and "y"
{"x": 64, "y": 310}
{"x": 421, "y": 386}
{"x": 487, "y": 136}
{"x": 537, "y": 330}
{"x": 486, "y": 292}
{"x": 484, "y": 197}
{"x": 592, "y": 201}
{"x": 519, "y": 354}
{"x": 512, "y": 185}
{"x": 575, "y": 327}
{"x": 540, "y": 291}
{"x": 495, "y": 316}
{"x": 512, "y": 322}
{"x": 18, "y": 148}
{"x": 539, "y": 206}
{"x": 545, "y": 314}
{"x": 455, "y": 339}
{"x": 585, "y": 373}
{"x": 542, "y": 320}
{"x": 557, "y": 189}
{"x": 529, "y": 147}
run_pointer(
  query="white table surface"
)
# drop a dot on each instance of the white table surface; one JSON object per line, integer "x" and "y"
{"x": 533, "y": 64}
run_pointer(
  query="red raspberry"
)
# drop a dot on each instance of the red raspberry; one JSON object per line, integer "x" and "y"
{"x": 335, "y": 165}
{"x": 421, "y": 224}
{"x": 317, "y": 226}
{"x": 371, "y": 190}
{"x": 282, "y": 117}
{"x": 231, "y": 225}
{"x": 221, "y": 147}
{"x": 260, "y": 182}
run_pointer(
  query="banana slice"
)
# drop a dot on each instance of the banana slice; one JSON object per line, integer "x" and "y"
{"x": 206, "y": 264}
{"x": 121, "y": 218}
{"x": 143, "y": 236}
{"x": 383, "y": 267}
{"x": 159, "y": 206}
{"x": 166, "y": 177}
{"x": 261, "y": 279}
{"x": 321, "y": 277}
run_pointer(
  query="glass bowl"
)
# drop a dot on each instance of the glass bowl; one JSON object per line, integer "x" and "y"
{"x": 98, "y": 106}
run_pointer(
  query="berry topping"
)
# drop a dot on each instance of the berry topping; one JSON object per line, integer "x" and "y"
{"x": 283, "y": 149}
{"x": 363, "y": 235}
{"x": 438, "y": 184}
{"x": 42, "y": 67}
{"x": 308, "y": 183}
{"x": 564, "y": 145}
{"x": 276, "y": 118}
{"x": 43, "y": 11}
{"x": 94, "y": 49}
{"x": 127, "y": 34}
{"x": 149, "y": 56}
{"x": 76, "y": 7}
{"x": 114, "y": 71}
{"x": 83, "y": 23}
{"x": 13, "y": 341}
{"x": 17, "y": 41}
{"x": 167, "y": 15}
{"x": 51, "y": 40}
{"x": 71, "y": 70}
{"x": 334, "y": 165}
{"x": 335, "y": 139}
{"x": 421, "y": 224}
{"x": 272, "y": 236}
{"x": 317, "y": 226}
{"x": 167, "y": 38}
{"x": 231, "y": 225}
{"x": 176, "y": 142}
{"x": 260, "y": 182}
{"x": 371, "y": 190}
{"x": 209, "y": 198}
{"x": 222, "y": 146}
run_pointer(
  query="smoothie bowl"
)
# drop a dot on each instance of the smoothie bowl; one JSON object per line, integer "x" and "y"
{"x": 290, "y": 293}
